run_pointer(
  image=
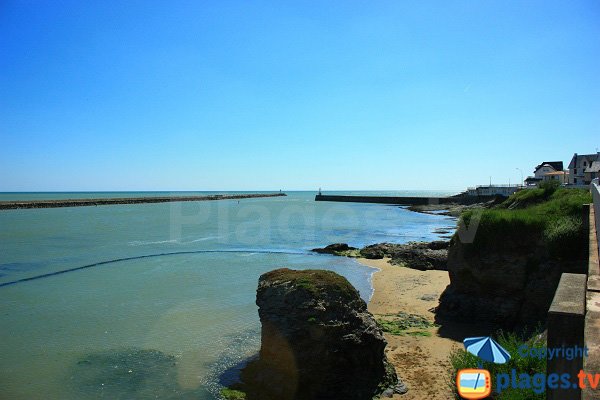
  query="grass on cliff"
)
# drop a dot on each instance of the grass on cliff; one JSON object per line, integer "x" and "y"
{"x": 549, "y": 214}
{"x": 460, "y": 359}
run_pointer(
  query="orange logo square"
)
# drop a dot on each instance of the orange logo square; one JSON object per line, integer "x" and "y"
{"x": 473, "y": 383}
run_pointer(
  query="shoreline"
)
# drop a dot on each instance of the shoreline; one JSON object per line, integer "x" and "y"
{"x": 421, "y": 361}
{"x": 28, "y": 204}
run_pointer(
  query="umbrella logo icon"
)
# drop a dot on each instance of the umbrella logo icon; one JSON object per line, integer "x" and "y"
{"x": 475, "y": 384}
{"x": 486, "y": 349}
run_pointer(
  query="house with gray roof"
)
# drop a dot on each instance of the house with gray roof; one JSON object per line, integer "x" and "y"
{"x": 592, "y": 172}
{"x": 578, "y": 166}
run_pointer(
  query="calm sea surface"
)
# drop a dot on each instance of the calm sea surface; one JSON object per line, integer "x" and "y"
{"x": 166, "y": 304}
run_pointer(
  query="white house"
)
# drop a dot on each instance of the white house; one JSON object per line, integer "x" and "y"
{"x": 548, "y": 170}
{"x": 578, "y": 166}
{"x": 547, "y": 167}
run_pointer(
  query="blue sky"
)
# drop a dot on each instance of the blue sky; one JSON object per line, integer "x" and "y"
{"x": 239, "y": 95}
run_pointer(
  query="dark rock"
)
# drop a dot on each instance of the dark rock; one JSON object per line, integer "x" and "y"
{"x": 417, "y": 255}
{"x": 377, "y": 251}
{"x": 334, "y": 248}
{"x": 318, "y": 341}
{"x": 510, "y": 285}
{"x": 438, "y": 245}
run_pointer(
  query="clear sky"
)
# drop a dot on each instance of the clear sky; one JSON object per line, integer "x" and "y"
{"x": 242, "y": 95}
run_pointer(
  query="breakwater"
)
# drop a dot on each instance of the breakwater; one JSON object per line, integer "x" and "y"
{"x": 406, "y": 201}
{"x": 12, "y": 205}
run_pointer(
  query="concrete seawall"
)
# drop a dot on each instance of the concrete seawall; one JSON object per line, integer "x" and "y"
{"x": 13, "y": 205}
{"x": 408, "y": 201}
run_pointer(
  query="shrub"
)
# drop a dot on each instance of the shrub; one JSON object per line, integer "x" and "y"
{"x": 549, "y": 186}
{"x": 564, "y": 237}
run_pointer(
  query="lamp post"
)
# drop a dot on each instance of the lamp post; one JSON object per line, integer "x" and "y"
{"x": 521, "y": 171}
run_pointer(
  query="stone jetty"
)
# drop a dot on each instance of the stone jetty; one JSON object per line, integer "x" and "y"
{"x": 12, "y": 205}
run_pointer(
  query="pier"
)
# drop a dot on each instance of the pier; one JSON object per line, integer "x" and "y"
{"x": 406, "y": 201}
{"x": 14, "y": 205}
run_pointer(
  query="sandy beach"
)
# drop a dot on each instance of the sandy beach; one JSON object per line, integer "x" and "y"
{"x": 421, "y": 361}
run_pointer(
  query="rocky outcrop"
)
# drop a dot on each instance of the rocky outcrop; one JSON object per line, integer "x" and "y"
{"x": 510, "y": 284}
{"x": 455, "y": 209}
{"x": 418, "y": 255}
{"x": 318, "y": 341}
{"x": 336, "y": 249}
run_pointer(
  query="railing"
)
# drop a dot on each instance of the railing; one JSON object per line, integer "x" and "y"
{"x": 591, "y": 364}
{"x": 595, "y": 189}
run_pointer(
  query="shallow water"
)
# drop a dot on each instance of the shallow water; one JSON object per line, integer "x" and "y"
{"x": 184, "y": 312}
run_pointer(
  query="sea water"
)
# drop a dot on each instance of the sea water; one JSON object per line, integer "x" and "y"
{"x": 165, "y": 306}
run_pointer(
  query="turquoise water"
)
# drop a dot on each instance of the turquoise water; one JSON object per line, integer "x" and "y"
{"x": 171, "y": 306}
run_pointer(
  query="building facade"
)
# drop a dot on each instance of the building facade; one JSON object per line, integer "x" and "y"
{"x": 547, "y": 167}
{"x": 592, "y": 172}
{"x": 561, "y": 176}
{"x": 578, "y": 166}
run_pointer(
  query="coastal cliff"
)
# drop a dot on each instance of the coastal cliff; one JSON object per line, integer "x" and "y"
{"x": 508, "y": 273}
{"x": 512, "y": 286}
{"x": 318, "y": 341}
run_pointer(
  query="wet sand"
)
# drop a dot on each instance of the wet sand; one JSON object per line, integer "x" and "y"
{"x": 421, "y": 361}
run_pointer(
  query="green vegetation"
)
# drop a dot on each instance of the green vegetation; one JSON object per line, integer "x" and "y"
{"x": 548, "y": 214}
{"x": 230, "y": 394}
{"x": 461, "y": 359}
{"x": 315, "y": 281}
{"x": 354, "y": 253}
{"x": 405, "y": 324}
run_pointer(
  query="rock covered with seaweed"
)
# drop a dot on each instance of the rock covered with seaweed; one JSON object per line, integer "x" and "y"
{"x": 418, "y": 255}
{"x": 318, "y": 341}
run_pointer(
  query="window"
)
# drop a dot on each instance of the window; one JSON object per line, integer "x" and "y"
{"x": 575, "y": 171}
{"x": 575, "y": 180}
